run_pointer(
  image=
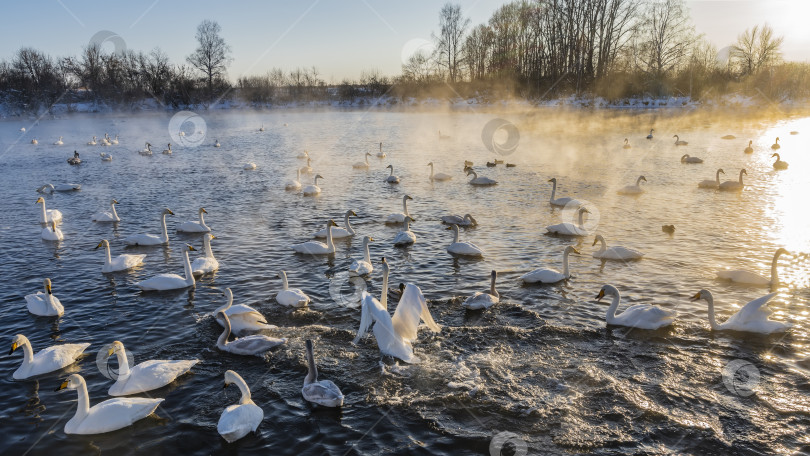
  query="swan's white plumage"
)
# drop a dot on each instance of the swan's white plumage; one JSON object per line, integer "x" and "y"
{"x": 249, "y": 345}
{"x": 195, "y": 226}
{"x": 642, "y": 316}
{"x": 615, "y": 252}
{"x": 151, "y": 239}
{"x": 292, "y": 297}
{"x": 121, "y": 262}
{"x": 239, "y": 419}
{"x": 399, "y": 217}
{"x": 46, "y": 360}
{"x": 164, "y": 282}
{"x": 107, "y": 216}
{"x": 244, "y": 319}
{"x": 462, "y": 248}
{"x": 362, "y": 267}
{"x": 546, "y": 275}
{"x": 145, "y": 376}
{"x": 206, "y": 263}
{"x": 320, "y": 392}
{"x": 48, "y": 215}
{"x": 44, "y": 304}
{"x": 484, "y": 300}
{"x": 752, "y": 317}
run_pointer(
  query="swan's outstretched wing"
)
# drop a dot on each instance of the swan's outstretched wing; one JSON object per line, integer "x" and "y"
{"x": 412, "y": 307}
{"x": 753, "y": 311}
{"x": 368, "y": 305}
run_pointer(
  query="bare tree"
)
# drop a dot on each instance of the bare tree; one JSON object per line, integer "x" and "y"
{"x": 667, "y": 36}
{"x": 756, "y": 48}
{"x": 212, "y": 56}
{"x": 449, "y": 42}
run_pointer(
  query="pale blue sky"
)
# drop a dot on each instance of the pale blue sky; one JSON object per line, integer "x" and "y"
{"x": 340, "y": 37}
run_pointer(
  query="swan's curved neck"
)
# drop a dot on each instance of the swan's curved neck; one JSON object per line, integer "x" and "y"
{"x": 405, "y": 206}
{"x": 226, "y": 333}
{"x": 316, "y": 180}
{"x": 492, "y": 289}
{"x": 44, "y": 213}
{"x": 566, "y": 272}
{"x": 123, "y": 364}
{"x": 367, "y": 256}
{"x": 712, "y": 319}
{"x": 431, "y": 170}
{"x": 202, "y": 218}
{"x": 774, "y": 271}
{"x": 553, "y": 189}
{"x": 581, "y": 219}
{"x": 83, "y": 406}
{"x": 28, "y": 354}
{"x": 455, "y": 234}
{"x": 347, "y": 224}
{"x": 114, "y": 212}
{"x": 717, "y": 177}
{"x": 187, "y": 269}
{"x": 107, "y": 249}
{"x": 284, "y": 283}
{"x": 614, "y": 305}
{"x": 475, "y": 175}
{"x": 243, "y": 388}
{"x": 207, "y": 246}
{"x": 366, "y": 157}
{"x": 312, "y": 374}
{"x": 602, "y": 245}
{"x": 165, "y": 236}
{"x": 225, "y": 306}
{"x": 329, "y": 242}
{"x": 638, "y": 181}
{"x": 741, "y": 177}
{"x": 392, "y": 172}
{"x": 384, "y": 292}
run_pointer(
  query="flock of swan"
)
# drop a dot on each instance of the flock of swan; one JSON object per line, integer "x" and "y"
{"x": 394, "y": 334}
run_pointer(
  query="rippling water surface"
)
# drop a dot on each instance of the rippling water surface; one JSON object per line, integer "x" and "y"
{"x": 541, "y": 364}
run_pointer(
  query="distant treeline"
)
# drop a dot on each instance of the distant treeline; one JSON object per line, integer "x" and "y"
{"x": 529, "y": 49}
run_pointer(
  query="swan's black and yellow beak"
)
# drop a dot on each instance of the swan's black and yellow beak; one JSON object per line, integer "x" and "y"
{"x": 191, "y": 248}
{"x": 62, "y": 386}
{"x": 695, "y": 297}
{"x": 213, "y": 237}
{"x": 575, "y": 251}
{"x": 40, "y": 200}
{"x": 370, "y": 239}
{"x": 449, "y": 228}
{"x": 99, "y": 245}
{"x": 13, "y": 348}
{"x": 202, "y": 209}
{"x": 332, "y": 223}
{"x": 115, "y": 202}
{"x": 600, "y": 295}
{"x": 353, "y": 213}
{"x": 594, "y": 242}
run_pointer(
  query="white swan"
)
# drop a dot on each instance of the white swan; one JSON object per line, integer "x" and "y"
{"x": 291, "y": 297}
{"x": 307, "y": 169}
{"x": 752, "y": 278}
{"x": 399, "y": 217}
{"x": 206, "y": 263}
{"x": 106, "y": 416}
{"x": 484, "y": 300}
{"x": 406, "y": 236}
{"x": 46, "y": 360}
{"x": 643, "y": 316}
{"x": 44, "y": 304}
{"x": 147, "y": 150}
{"x": 364, "y": 266}
{"x": 712, "y": 184}
{"x": 48, "y": 215}
{"x": 50, "y": 188}
{"x": 320, "y": 392}
{"x": 92, "y": 142}
{"x": 244, "y": 319}
{"x": 163, "y": 282}
{"x": 391, "y": 179}
{"x": 441, "y": 177}
{"x": 242, "y": 418}
{"x": 304, "y": 154}
{"x": 626, "y": 144}
{"x": 467, "y": 220}
{"x": 121, "y": 262}
{"x": 569, "y": 229}
{"x": 52, "y": 233}
{"x": 249, "y": 166}
{"x": 168, "y": 151}
{"x": 650, "y": 136}
{"x": 115, "y": 140}
{"x": 686, "y": 158}
{"x": 734, "y": 186}
{"x": 633, "y": 189}
{"x": 195, "y": 226}
{"x": 776, "y": 145}
{"x": 105, "y": 157}
{"x": 749, "y": 149}
{"x": 752, "y": 317}
{"x": 616, "y": 252}
{"x": 362, "y": 165}
{"x": 441, "y": 136}
{"x": 678, "y": 141}
{"x": 551, "y": 275}
{"x": 318, "y": 247}
{"x": 107, "y": 216}
{"x": 152, "y": 239}
{"x": 59, "y": 142}
{"x": 145, "y": 376}
{"x": 338, "y": 232}
{"x": 255, "y": 344}
{"x": 779, "y": 164}
{"x": 396, "y": 334}
{"x": 562, "y": 201}
{"x": 381, "y": 154}
{"x": 313, "y": 190}
{"x": 294, "y": 185}
{"x": 261, "y": 128}
{"x": 482, "y": 181}
{"x": 462, "y": 248}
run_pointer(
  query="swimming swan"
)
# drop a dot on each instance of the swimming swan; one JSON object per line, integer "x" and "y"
{"x": 633, "y": 189}
{"x": 145, "y": 376}
{"x": 338, "y": 232}
{"x": 249, "y": 345}
{"x": 712, "y": 184}
{"x": 52, "y": 233}
{"x": 168, "y": 151}
{"x": 244, "y": 319}
{"x": 121, "y": 262}
{"x": 687, "y": 159}
{"x": 462, "y": 248}
{"x": 678, "y": 141}
{"x": 643, "y": 316}
{"x": 313, "y": 190}
{"x": 47, "y": 360}
{"x": 391, "y": 179}
{"x": 752, "y": 278}
{"x": 44, "y": 304}
{"x": 318, "y": 247}
{"x": 626, "y": 144}
{"x": 484, "y": 300}
{"x": 50, "y": 188}
{"x": 569, "y": 229}
{"x": 616, "y": 252}
{"x": 107, "y": 216}
{"x": 779, "y": 164}
{"x": 551, "y": 275}
{"x": 752, "y": 317}
{"x": 364, "y": 266}
{"x": 294, "y": 184}
{"x": 481, "y": 181}
{"x": 206, "y": 263}
{"x": 106, "y": 416}
{"x": 440, "y": 177}
{"x": 242, "y": 418}
{"x": 163, "y": 282}
{"x": 562, "y": 201}
{"x": 363, "y": 165}
{"x": 59, "y": 142}
{"x": 467, "y": 220}
{"x": 749, "y": 149}
{"x": 406, "y": 236}
{"x": 776, "y": 145}
{"x": 381, "y": 154}
{"x": 400, "y": 217}
{"x": 291, "y": 297}
{"x": 195, "y": 226}
{"x": 151, "y": 239}
{"x": 733, "y": 186}
{"x": 48, "y": 215}
{"x": 320, "y": 392}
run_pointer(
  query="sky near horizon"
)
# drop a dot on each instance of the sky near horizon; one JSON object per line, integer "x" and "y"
{"x": 341, "y": 38}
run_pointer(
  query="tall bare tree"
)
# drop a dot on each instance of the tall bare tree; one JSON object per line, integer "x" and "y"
{"x": 756, "y": 48}
{"x": 452, "y": 27}
{"x": 667, "y": 36}
{"x": 212, "y": 56}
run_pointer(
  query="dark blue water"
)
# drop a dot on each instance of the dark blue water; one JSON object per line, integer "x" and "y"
{"x": 540, "y": 365}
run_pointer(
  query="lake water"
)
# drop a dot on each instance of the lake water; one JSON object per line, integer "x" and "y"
{"x": 540, "y": 369}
